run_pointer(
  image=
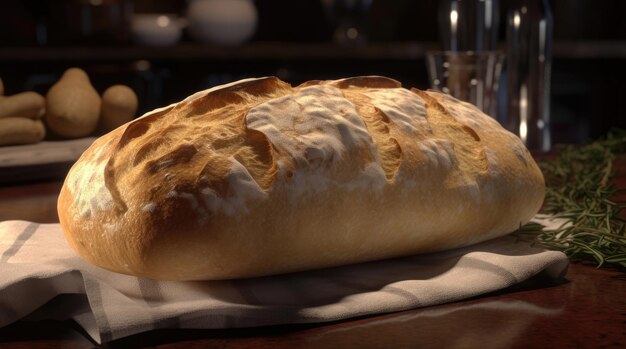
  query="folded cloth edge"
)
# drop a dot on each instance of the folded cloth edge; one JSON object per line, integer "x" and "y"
{"x": 399, "y": 295}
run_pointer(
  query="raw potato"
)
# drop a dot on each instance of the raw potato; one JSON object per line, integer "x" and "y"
{"x": 73, "y": 105}
{"x": 21, "y": 131}
{"x": 26, "y": 105}
{"x": 119, "y": 105}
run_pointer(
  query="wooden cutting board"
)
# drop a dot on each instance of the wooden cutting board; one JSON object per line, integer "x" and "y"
{"x": 45, "y": 160}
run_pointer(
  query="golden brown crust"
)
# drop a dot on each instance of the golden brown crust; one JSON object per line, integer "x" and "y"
{"x": 258, "y": 177}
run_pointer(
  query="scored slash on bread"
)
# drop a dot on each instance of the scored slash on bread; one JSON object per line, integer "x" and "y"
{"x": 258, "y": 177}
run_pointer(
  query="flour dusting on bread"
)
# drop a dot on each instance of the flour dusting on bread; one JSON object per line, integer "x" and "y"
{"x": 87, "y": 182}
{"x": 403, "y": 108}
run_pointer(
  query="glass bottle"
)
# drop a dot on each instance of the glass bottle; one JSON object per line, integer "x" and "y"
{"x": 468, "y": 25}
{"x": 529, "y": 59}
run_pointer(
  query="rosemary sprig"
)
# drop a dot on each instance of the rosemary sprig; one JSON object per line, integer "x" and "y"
{"x": 579, "y": 190}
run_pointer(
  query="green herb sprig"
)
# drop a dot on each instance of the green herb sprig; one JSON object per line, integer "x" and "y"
{"x": 579, "y": 190}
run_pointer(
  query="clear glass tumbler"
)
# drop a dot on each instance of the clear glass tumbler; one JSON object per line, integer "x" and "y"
{"x": 469, "y": 76}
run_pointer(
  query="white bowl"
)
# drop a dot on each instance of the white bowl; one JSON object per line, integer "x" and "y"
{"x": 157, "y": 29}
{"x": 222, "y": 22}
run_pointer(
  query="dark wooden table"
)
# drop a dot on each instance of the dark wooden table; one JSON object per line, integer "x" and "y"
{"x": 586, "y": 310}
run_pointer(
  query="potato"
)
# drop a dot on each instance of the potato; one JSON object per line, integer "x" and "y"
{"x": 16, "y": 130}
{"x": 73, "y": 105}
{"x": 26, "y": 104}
{"x": 119, "y": 105}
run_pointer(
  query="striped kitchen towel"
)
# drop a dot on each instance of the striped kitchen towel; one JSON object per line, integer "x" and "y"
{"x": 41, "y": 277}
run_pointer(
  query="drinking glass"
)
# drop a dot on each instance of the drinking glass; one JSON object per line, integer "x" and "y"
{"x": 469, "y": 76}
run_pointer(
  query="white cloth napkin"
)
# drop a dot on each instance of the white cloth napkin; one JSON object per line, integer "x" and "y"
{"x": 41, "y": 277}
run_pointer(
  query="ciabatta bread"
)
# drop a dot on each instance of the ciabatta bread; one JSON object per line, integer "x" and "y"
{"x": 257, "y": 177}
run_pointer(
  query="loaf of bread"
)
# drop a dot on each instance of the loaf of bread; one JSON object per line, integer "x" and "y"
{"x": 257, "y": 177}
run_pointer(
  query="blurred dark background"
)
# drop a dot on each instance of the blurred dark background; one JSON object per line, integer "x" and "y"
{"x": 295, "y": 41}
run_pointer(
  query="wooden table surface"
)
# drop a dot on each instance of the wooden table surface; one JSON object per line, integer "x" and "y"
{"x": 586, "y": 310}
